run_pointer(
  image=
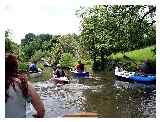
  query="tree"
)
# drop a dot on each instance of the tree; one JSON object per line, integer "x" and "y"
{"x": 10, "y": 47}
{"x": 109, "y": 29}
{"x": 67, "y": 60}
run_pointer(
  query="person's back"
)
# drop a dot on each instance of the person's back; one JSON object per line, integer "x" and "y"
{"x": 77, "y": 67}
{"x": 15, "y": 106}
{"x": 80, "y": 67}
{"x": 146, "y": 67}
{"x": 18, "y": 91}
{"x": 59, "y": 71}
{"x": 33, "y": 67}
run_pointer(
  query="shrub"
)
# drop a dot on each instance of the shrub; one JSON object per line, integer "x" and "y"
{"x": 23, "y": 67}
{"x": 40, "y": 65}
{"x": 37, "y": 56}
{"x": 67, "y": 60}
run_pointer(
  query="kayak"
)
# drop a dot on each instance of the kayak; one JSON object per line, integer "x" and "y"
{"x": 35, "y": 74}
{"x": 134, "y": 77}
{"x": 80, "y": 74}
{"x": 83, "y": 114}
{"x": 61, "y": 80}
{"x": 146, "y": 79}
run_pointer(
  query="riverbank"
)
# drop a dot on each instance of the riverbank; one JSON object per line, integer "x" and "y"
{"x": 129, "y": 60}
{"x": 132, "y": 59}
{"x": 136, "y": 55}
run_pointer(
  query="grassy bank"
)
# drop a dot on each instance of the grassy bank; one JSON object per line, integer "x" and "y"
{"x": 136, "y": 56}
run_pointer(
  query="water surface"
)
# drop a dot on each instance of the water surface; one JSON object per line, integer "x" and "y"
{"x": 102, "y": 94}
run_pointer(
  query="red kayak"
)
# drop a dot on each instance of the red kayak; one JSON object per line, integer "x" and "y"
{"x": 61, "y": 80}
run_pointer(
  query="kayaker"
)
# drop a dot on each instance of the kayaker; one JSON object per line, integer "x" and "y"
{"x": 46, "y": 64}
{"x": 19, "y": 91}
{"x": 59, "y": 72}
{"x": 79, "y": 67}
{"x": 33, "y": 67}
{"x": 146, "y": 67}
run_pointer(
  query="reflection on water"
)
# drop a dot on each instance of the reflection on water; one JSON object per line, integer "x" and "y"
{"x": 106, "y": 96}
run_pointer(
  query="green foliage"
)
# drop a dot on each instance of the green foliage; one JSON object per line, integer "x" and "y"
{"x": 32, "y": 43}
{"x": 68, "y": 44}
{"x": 64, "y": 44}
{"x": 67, "y": 60}
{"x": 10, "y": 47}
{"x": 136, "y": 55}
{"x": 53, "y": 46}
{"x": 109, "y": 29}
{"x": 105, "y": 29}
{"x": 23, "y": 67}
{"x": 28, "y": 38}
{"x": 40, "y": 65}
{"x": 37, "y": 56}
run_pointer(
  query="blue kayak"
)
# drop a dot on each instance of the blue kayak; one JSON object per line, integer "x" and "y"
{"x": 145, "y": 79}
{"x": 134, "y": 77}
{"x": 80, "y": 74}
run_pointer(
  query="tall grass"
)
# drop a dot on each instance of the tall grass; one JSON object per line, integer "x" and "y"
{"x": 137, "y": 55}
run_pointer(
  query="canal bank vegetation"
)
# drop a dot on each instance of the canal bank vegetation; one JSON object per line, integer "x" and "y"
{"x": 136, "y": 57}
{"x": 105, "y": 31}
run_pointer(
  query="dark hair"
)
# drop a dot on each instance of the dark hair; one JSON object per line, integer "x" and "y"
{"x": 11, "y": 72}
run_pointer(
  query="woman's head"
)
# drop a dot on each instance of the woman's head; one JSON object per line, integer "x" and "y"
{"x": 11, "y": 65}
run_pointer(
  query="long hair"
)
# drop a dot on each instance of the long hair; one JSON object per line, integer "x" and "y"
{"x": 11, "y": 72}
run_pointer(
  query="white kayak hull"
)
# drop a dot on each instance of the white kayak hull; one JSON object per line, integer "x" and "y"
{"x": 34, "y": 75}
{"x": 62, "y": 80}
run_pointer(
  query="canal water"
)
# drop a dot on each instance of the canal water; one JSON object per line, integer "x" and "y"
{"x": 103, "y": 94}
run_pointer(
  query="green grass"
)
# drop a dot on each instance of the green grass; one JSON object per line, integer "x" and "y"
{"x": 136, "y": 55}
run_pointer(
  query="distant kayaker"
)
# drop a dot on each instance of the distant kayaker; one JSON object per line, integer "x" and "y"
{"x": 59, "y": 72}
{"x": 79, "y": 67}
{"x": 19, "y": 91}
{"x": 146, "y": 67}
{"x": 46, "y": 64}
{"x": 33, "y": 67}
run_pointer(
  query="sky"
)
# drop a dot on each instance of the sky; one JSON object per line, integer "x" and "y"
{"x": 43, "y": 16}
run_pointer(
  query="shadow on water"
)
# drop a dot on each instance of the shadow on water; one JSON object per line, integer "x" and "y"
{"x": 103, "y": 94}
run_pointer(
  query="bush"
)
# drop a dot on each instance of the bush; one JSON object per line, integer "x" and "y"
{"x": 37, "y": 56}
{"x": 23, "y": 67}
{"x": 67, "y": 60}
{"x": 40, "y": 65}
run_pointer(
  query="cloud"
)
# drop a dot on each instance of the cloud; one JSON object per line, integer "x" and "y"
{"x": 39, "y": 16}
{"x": 42, "y": 16}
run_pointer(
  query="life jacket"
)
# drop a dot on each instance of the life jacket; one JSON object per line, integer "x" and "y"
{"x": 33, "y": 67}
{"x": 80, "y": 67}
{"x": 146, "y": 68}
{"x": 60, "y": 73}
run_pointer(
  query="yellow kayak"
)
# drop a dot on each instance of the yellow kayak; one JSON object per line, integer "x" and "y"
{"x": 83, "y": 114}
